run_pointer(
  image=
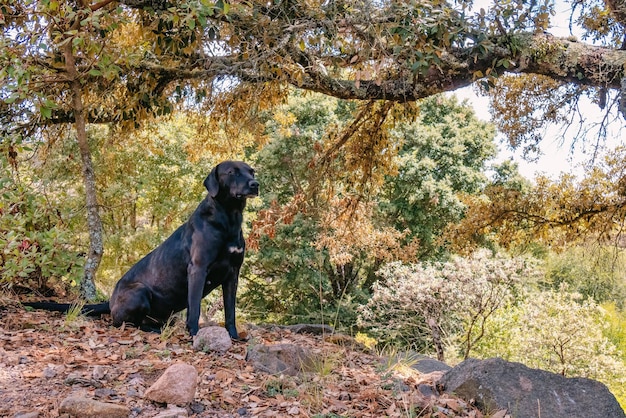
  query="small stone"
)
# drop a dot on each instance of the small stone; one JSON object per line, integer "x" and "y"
{"x": 99, "y": 372}
{"x": 132, "y": 393}
{"x": 105, "y": 393}
{"x": 212, "y": 339}
{"x": 177, "y": 385}
{"x": 49, "y": 372}
{"x": 289, "y": 359}
{"x": 242, "y": 411}
{"x": 34, "y": 414}
{"x": 88, "y": 408}
{"x": 196, "y": 407}
{"x": 173, "y": 412}
{"x": 136, "y": 381}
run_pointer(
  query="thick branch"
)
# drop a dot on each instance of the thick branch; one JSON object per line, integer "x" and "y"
{"x": 561, "y": 59}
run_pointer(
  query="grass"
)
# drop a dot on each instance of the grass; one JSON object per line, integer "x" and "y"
{"x": 75, "y": 313}
{"x": 316, "y": 377}
{"x": 397, "y": 361}
{"x": 171, "y": 327}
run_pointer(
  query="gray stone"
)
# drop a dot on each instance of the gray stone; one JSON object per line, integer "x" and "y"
{"x": 419, "y": 362}
{"x": 34, "y": 414}
{"x": 427, "y": 365}
{"x": 99, "y": 372}
{"x": 212, "y": 339}
{"x": 173, "y": 412}
{"x": 286, "y": 359}
{"x": 177, "y": 385}
{"x": 496, "y": 384}
{"x": 315, "y": 329}
{"x": 77, "y": 406}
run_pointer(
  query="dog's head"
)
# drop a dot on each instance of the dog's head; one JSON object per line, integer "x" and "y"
{"x": 233, "y": 179}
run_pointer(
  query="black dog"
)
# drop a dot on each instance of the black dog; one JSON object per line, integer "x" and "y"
{"x": 205, "y": 252}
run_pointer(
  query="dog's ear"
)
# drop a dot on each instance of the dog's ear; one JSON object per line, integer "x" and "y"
{"x": 212, "y": 182}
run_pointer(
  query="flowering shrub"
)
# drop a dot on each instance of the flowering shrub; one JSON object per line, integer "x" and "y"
{"x": 559, "y": 331}
{"x": 436, "y": 304}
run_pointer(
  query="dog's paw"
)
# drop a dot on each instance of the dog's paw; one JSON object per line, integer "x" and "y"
{"x": 240, "y": 337}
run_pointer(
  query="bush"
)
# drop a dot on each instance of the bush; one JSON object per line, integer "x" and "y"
{"x": 36, "y": 251}
{"x": 559, "y": 331}
{"x": 593, "y": 271}
{"x": 421, "y": 305}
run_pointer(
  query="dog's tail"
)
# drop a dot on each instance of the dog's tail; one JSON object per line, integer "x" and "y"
{"x": 94, "y": 309}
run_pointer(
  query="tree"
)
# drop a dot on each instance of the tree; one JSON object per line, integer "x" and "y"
{"x": 443, "y": 153}
{"x": 393, "y": 51}
{"x": 553, "y": 212}
{"x": 328, "y": 222}
{"x": 77, "y": 62}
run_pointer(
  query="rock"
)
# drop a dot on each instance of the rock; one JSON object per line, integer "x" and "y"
{"x": 426, "y": 365}
{"x": 173, "y": 412}
{"x": 315, "y": 329}
{"x": 77, "y": 406}
{"x": 99, "y": 372}
{"x": 78, "y": 379}
{"x": 105, "y": 393}
{"x": 50, "y": 371}
{"x": 196, "y": 407}
{"x": 419, "y": 362}
{"x": 287, "y": 359}
{"x": 212, "y": 339}
{"x": 27, "y": 415}
{"x": 177, "y": 385}
{"x": 496, "y": 384}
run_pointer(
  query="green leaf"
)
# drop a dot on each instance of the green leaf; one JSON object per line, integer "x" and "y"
{"x": 95, "y": 72}
{"x": 11, "y": 99}
{"x": 46, "y": 112}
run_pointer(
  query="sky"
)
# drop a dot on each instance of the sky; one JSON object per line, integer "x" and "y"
{"x": 556, "y": 155}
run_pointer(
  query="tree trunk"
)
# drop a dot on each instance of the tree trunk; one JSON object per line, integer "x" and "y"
{"x": 435, "y": 332}
{"x": 94, "y": 223}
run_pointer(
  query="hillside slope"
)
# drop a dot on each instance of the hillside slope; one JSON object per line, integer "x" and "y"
{"x": 43, "y": 360}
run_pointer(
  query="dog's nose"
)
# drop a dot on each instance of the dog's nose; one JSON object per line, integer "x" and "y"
{"x": 253, "y": 184}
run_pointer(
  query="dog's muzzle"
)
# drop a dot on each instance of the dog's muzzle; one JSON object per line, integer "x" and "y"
{"x": 252, "y": 190}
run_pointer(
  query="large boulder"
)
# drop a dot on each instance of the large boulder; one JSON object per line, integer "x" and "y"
{"x": 495, "y": 384}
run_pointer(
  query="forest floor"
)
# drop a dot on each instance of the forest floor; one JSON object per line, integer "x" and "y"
{"x": 45, "y": 358}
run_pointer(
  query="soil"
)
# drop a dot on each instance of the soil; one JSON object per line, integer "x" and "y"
{"x": 44, "y": 358}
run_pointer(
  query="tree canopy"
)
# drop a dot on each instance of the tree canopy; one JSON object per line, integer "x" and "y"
{"x": 71, "y": 63}
{"x": 141, "y": 57}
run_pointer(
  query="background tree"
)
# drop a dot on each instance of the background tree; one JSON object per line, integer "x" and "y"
{"x": 124, "y": 62}
{"x": 443, "y": 153}
{"x": 553, "y": 212}
{"x": 438, "y": 304}
{"x": 323, "y": 230}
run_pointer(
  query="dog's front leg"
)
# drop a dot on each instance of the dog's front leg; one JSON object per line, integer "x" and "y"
{"x": 229, "y": 293}
{"x": 196, "y": 279}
